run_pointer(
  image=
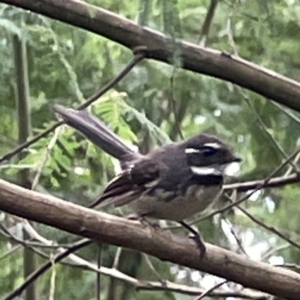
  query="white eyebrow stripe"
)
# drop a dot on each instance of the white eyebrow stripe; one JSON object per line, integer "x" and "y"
{"x": 213, "y": 145}
{"x": 191, "y": 150}
{"x": 205, "y": 171}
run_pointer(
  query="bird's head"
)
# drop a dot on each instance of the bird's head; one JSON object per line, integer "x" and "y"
{"x": 208, "y": 155}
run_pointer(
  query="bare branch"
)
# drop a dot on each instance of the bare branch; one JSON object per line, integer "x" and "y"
{"x": 207, "y": 22}
{"x": 76, "y": 261}
{"x": 162, "y": 244}
{"x": 138, "y": 56}
{"x": 195, "y": 58}
{"x": 259, "y": 184}
{"x": 264, "y": 128}
{"x": 248, "y": 195}
{"x": 209, "y": 291}
{"x": 33, "y": 276}
{"x": 270, "y": 228}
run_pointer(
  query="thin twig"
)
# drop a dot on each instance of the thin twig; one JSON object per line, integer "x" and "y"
{"x": 48, "y": 150}
{"x": 207, "y": 22}
{"x": 139, "y": 55}
{"x": 237, "y": 239}
{"x": 260, "y": 184}
{"x": 26, "y": 243}
{"x": 267, "y": 227}
{"x": 173, "y": 104}
{"x": 18, "y": 149}
{"x": 229, "y": 29}
{"x": 33, "y": 276}
{"x": 266, "y": 131}
{"x": 207, "y": 292}
{"x": 52, "y": 280}
{"x": 270, "y": 252}
{"x": 290, "y": 169}
{"x": 99, "y": 263}
{"x": 295, "y": 119}
{"x": 150, "y": 265}
{"x": 76, "y": 261}
{"x": 243, "y": 199}
{"x": 290, "y": 266}
{"x": 287, "y": 112}
{"x": 10, "y": 251}
{"x": 117, "y": 258}
{"x": 253, "y": 186}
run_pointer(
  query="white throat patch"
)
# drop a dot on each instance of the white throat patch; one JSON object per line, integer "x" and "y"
{"x": 206, "y": 170}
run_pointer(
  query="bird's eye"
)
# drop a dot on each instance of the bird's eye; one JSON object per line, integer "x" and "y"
{"x": 209, "y": 151}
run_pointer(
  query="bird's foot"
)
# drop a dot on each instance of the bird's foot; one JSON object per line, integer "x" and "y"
{"x": 144, "y": 221}
{"x": 200, "y": 244}
{"x": 196, "y": 237}
{"x": 147, "y": 222}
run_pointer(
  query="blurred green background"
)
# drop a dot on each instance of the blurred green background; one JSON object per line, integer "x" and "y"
{"x": 66, "y": 65}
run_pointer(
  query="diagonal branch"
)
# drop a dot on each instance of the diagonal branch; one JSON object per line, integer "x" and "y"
{"x": 76, "y": 261}
{"x": 207, "y": 22}
{"x": 160, "y": 243}
{"x": 265, "y": 226}
{"x": 195, "y": 58}
{"x": 138, "y": 56}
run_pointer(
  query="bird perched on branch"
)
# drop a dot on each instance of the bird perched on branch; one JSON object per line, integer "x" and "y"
{"x": 173, "y": 182}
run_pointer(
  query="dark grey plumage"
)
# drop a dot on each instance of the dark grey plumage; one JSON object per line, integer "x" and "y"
{"x": 172, "y": 182}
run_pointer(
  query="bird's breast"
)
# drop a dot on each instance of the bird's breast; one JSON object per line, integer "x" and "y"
{"x": 169, "y": 205}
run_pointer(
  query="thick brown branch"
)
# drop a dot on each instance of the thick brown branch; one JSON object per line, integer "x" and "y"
{"x": 195, "y": 58}
{"x": 162, "y": 244}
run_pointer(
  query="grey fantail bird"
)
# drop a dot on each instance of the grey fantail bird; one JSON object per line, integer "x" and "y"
{"x": 173, "y": 182}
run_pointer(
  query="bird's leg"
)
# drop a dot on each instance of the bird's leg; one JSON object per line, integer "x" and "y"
{"x": 197, "y": 238}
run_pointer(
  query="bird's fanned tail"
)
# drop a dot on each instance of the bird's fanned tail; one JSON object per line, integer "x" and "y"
{"x": 97, "y": 132}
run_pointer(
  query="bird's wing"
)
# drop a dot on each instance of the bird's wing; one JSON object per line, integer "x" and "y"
{"x": 130, "y": 184}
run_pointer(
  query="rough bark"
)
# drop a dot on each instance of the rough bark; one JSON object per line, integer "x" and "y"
{"x": 160, "y": 243}
{"x": 193, "y": 57}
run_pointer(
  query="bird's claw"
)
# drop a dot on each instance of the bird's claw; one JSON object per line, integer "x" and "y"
{"x": 200, "y": 244}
